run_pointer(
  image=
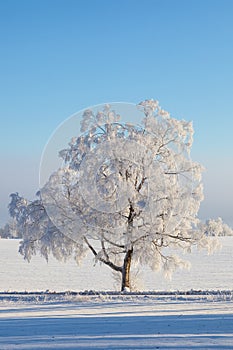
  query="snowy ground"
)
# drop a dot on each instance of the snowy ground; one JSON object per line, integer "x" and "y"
{"x": 207, "y": 272}
{"x": 117, "y": 322}
{"x": 172, "y": 320}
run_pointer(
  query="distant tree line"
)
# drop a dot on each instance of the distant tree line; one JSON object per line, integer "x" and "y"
{"x": 9, "y": 230}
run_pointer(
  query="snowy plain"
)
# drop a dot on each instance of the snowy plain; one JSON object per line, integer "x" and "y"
{"x": 31, "y": 318}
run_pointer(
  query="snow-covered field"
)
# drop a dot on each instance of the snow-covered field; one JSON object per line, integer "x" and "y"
{"x": 200, "y": 320}
{"x": 207, "y": 272}
{"x": 117, "y": 322}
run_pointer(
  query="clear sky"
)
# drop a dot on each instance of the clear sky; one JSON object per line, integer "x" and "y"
{"x": 60, "y": 56}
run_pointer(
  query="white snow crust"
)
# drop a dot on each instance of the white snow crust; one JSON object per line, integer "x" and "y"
{"x": 193, "y": 311}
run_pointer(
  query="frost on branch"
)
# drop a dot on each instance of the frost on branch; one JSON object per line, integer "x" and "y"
{"x": 125, "y": 192}
{"x": 39, "y": 234}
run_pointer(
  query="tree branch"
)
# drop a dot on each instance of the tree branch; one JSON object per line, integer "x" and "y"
{"x": 106, "y": 262}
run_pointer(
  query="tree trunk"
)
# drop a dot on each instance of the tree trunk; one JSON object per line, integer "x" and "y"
{"x": 126, "y": 271}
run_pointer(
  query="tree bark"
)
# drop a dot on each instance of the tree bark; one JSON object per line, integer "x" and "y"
{"x": 126, "y": 271}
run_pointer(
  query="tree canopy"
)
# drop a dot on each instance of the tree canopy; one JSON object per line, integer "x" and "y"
{"x": 126, "y": 192}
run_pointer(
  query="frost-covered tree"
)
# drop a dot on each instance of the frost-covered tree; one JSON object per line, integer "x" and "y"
{"x": 216, "y": 228}
{"x": 124, "y": 192}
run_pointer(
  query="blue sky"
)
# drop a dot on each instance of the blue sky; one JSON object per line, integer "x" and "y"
{"x": 58, "y": 57}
